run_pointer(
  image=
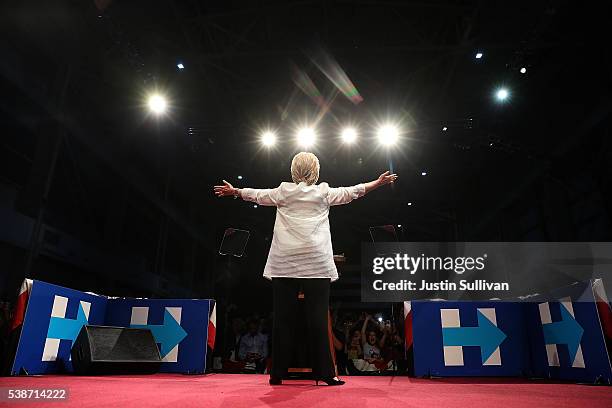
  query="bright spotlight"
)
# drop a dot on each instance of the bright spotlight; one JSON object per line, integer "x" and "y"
{"x": 388, "y": 135}
{"x": 444, "y": 129}
{"x": 306, "y": 137}
{"x": 423, "y": 173}
{"x": 180, "y": 65}
{"x": 523, "y": 70}
{"x": 268, "y": 138}
{"x": 157, "y": 104}
{"x": 239, "y": 177}
{"x": 380, "y": 319}
{"x": 349, "y": 135}
{"x": 502, "y": 94}
{"x": 478, "y": 55}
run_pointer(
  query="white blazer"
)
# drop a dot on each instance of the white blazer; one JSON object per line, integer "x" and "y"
{"x": 301, "y": 245}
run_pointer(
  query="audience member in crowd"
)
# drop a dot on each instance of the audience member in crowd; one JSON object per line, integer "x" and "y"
{"x": 353, "y": 345}
{"x": 234, "y": 339}
{"x": 253, "y": 347}
{"x": 370, "y": 343}
{"x": 394, "y": 349}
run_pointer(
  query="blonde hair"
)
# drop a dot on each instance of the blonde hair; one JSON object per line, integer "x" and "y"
{"x": 305, "y": 167}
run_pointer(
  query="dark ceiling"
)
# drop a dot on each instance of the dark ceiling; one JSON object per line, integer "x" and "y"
{"x": 92, "y": 64}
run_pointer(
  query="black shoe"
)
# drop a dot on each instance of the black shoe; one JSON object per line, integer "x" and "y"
{"x": 330, "y": 381}
{"x": 275, "y": 380}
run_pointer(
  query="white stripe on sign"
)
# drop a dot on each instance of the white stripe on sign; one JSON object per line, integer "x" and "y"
{"x": 59, "y": 306}
{"x": 545, "y": 313}
{"x": 51, "y": 349}
{"x": 495, "y": 358}
{"x": 140, "y": 316}
{"x": 453, "y": 355}
{"x": 579, "y": 359}
{"x": 86, "y": 308}
{"x": 450, "y": 318}
{"x": 566, "y": 302}
{"x": 552, "y": 355}
{"x": 172, "y": 356}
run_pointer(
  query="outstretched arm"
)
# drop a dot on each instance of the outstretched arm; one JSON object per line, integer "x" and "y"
{"x": 226, "y": 190}
{"x": 364, "y": 328}
{"x": 344, "y": 195}
{"x": 385, "y": 178}
{"x": 267, "y": 196}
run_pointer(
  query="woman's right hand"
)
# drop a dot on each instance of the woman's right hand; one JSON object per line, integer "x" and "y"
{"x": 225, "y": 190}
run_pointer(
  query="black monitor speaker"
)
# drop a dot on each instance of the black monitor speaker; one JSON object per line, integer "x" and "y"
{"x": 115, "y": 350}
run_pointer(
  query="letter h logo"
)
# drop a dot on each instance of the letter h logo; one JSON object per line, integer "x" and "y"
{"x": 168, "y": 334}
{"x": 62, "y": 328}
{"x": 566, "y": 331}
{"x": 486, "y": 335}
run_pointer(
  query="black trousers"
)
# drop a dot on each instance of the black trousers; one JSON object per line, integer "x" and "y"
{"x": 316, "y": 305}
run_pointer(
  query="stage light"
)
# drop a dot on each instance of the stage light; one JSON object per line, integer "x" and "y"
{"x": 254, "y": 205}
{"x": 239, "y": 177}
{"x": 444, "y": 129}
{"x": 306, "y": 137}
{"x": 380, "y": 319}
{"x": 523, "y": 70}
{"x": 502, "y": 94}
{"x": 388, "y": 135}
{"x": 478, "y": 55}
{"x": 399, "y": 225}
{"x": 180, "y": 65}
{"x": 409, "y": 203}
{"x": 157, "y": 104}
{"x": 423, "y": 173}
{"x": 268, "y": 138}
{"x": 349, "y": 135}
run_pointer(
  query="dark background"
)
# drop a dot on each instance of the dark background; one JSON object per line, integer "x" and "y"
{"x": 96, "y": 194}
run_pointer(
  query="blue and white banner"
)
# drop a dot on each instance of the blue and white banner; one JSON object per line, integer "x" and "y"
{"x": 55, "y": 315}
{"x": 469, "y": 339}
{"x": 180, "y": 327}
{"x": 566, "y": 337}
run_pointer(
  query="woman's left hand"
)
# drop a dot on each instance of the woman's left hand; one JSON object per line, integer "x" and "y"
{"x": 386, "y": 178}
{"x": 225, "y": 190}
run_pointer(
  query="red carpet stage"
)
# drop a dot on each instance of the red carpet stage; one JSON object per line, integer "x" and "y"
{"x": 234, "y": 390}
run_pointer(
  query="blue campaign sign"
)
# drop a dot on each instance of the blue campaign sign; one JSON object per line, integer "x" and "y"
{"x": 180, "y": 327}
{"x": 54, "y": 317}
{"x": 566, "y": 338}
{"x": 469, "y": 338}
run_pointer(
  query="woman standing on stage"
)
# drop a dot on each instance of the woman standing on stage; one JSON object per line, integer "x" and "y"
{"x": 301, "y": 257}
